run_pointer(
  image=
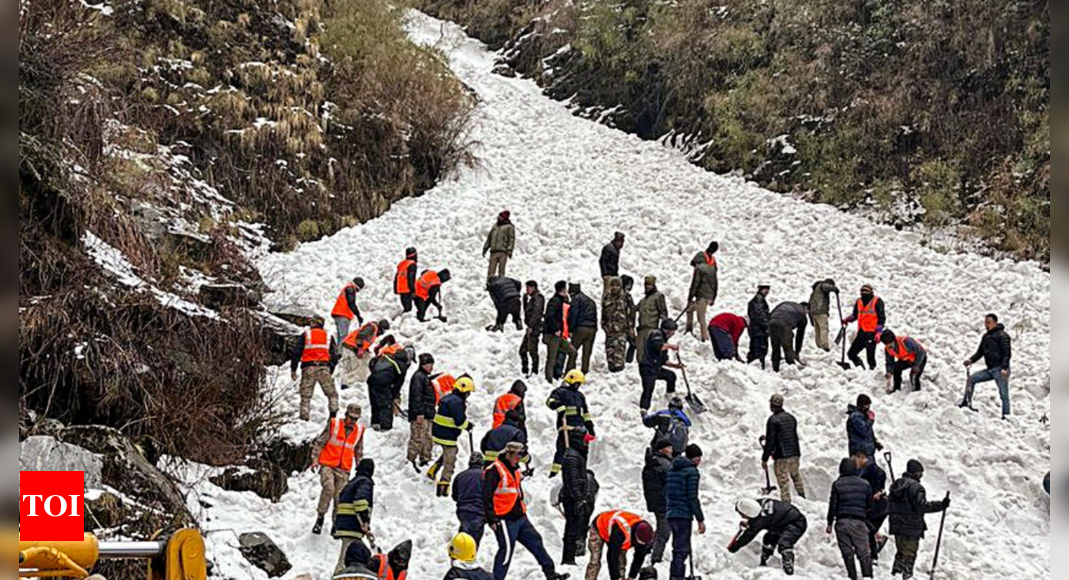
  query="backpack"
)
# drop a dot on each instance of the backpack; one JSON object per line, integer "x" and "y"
{"x": 674, "y": 430}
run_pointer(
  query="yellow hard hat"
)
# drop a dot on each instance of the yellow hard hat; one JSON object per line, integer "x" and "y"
{"x": 575, "y": 377}
{"x": 463, "y": 548}
{"x": 464, "y": 385}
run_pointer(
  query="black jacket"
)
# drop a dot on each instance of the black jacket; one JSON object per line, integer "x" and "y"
{"x": 759, "y": 316}
{"x": 655, "y": 481}
{"x": 503, "y": 289}
{"x": 495, "y": 441}
{"x": 468, "y": 494}
{"x": 534, "y": 309}
{"x": 584, "y": 312}
{"x": 851, "y": 496}
{"x": 995, "y": 349}
{"x": 388, "y": 374}
{"x": 909, "y": 505}
{"x": 554, "y": 319}
{"x": 656, "y": 356}
{"x": 781, "y": 437}
{"x": 775, "y": 518}
{"x": 462, "y": 574}
{"x": 571, "y": 408}
{"x": 610, "y": 261}
{"x": 421, "y": 399}
{"x": 576, "y": 488}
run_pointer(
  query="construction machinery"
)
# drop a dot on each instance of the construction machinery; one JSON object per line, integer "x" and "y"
{"x": 179, "y": 556}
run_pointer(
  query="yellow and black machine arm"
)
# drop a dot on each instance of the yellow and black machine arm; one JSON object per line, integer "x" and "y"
{"x": 179, "y": 556}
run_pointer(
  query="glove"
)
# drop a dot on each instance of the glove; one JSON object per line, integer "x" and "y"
{"x": 879, "y": 330}
{"x": 946, "y": 504}
{"x": 879, "y": 446}
{"x": 470, "y": 427}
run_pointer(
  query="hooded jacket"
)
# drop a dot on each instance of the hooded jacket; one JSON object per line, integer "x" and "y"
{"x": 655, "y": 481}
{"x": 704, "y": 284}
{"x": 388, "y": 373}
{"x": 851, "y": 496}
{"x": 356, "y": 504}
{"x": 995, "y": 349}
{"x": 909, "y": 505}
{"x": 859, "y": 432}
{"x": 502, "y": 237}
{"x": 681, "y": 491}
{"x": 820, "y": 299}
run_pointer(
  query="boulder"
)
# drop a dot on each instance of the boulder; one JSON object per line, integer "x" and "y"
{"x": 216, "y": 296}
{"x": 39, "y": 453}
{"x": 105, "y": 511}
{"x": 293, "y": 314}
{"x": 258, "y": 476}
{"x": 261, "y": 552}
{"x": 281, "y": 336}
{"x": 292, "y": 457}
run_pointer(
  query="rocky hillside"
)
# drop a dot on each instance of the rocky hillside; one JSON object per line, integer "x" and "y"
{"x": 930, "y": 113}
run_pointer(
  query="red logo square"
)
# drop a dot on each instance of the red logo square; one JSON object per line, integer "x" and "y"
{"x": 51, "y": 506}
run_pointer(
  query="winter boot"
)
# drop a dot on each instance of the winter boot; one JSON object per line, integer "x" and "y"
{"x": 432, "y": 473}
{"x": 556, "y": 576}
{"x": 415, "y": 466}
{"x": 535, "y": 366}
{"x": 443, "y": 489}
{"x": 788, "y": 562}
{"x": 519, "y": 325}
{"x": 318, "y": 528}
{"x": 766, "y": 554}
{"x": 526, "y": 369}
{"x": 495, "y": 328}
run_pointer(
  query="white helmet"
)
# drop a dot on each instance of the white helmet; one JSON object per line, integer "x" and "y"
{"x": 748, "y": 508}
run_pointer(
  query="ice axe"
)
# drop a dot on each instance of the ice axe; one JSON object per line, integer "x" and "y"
{"x": 769, "y": 488}
{"x": 939, "y": 543}
{"x": 696, "y": 404}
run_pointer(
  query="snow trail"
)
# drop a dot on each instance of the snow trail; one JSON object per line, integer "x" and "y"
{"x": 570, "y": 184}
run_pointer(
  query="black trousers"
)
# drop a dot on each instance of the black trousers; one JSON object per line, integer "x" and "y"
{"x": 406, "y": 302}
{"x": 915, "y": 375}
{"x": 381, "y": 400}
{"x": 681, "y": 534}
{"x": 474, "y": 527}
{"x": 649, "y": 384}
{"x": 758, "y": 348}
{"x": 785, "y": 540}
{"x": 576, "y": 527}
{"x": 864, "y": 341}
{"x": 529, "y": 351}
{"x": 511, "y": 307}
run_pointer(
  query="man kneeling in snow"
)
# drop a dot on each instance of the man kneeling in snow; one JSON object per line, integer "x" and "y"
{"x": 783, "y": 522}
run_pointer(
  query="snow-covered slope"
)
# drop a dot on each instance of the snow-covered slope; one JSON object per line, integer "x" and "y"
{"x": 569, "y": 184}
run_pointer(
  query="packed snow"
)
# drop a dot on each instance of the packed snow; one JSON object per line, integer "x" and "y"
{"x": 570, "y": 184}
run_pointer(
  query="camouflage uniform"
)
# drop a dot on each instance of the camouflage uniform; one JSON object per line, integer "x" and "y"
{"x": 617, "y": 324}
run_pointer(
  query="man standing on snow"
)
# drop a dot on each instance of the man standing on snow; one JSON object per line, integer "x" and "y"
{"x": 583, "y": 324}
{"x": 346, "y": 309}
{"x": 652, "y": 310}
{"x": 654, "y": 363}
{"x": 784, "y": 446}
{"x": 820, "y": 310}
{"x": 468, "y": 496}
{"x": 632, "y": 319}
{"x": 904, "y": 353}
{"x": 341, "y": 446}
{"x": 617, "y": 324}
{"x": 422, "y": 407}
{"x": 404, "y": 282}
{"x": 610, "y": 258}
{"x": 450, "y": 422}
{"x": 909, "y": 505}
{"x": 759, "y": 315}
{"x": 787, "y": 326}
{"x": 877, "y": 514}
{"x": 388, "y": 372}
{"x": 704, "y": 287}
{"x": 871, "y": 316}
{"x": 534, "y": 311}
{"x": 428, "y": 293}
{"x": 684, "y": 507}
{"x": 996, "y": 350}
{"x": 316, "y": 355}
{"x": 505, "y": 294}
{"x": 555, "y": 330}
{"x": 574, "y": 493}
{"x": 572, "y": 413}
{"x": 355, "y": 506}
{"x": 785, "y": 525}
{"x": 654, "y": 485}
{"x": 851, "y": 500}
{"x": 726, "y": 331}
{"x": 859, "y": 428}
{"x": 500, "y": 243}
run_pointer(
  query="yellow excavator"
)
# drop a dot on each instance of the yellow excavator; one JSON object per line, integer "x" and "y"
{"x": 179, "y": 556}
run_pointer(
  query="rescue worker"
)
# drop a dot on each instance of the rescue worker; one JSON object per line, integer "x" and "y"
{"x": 506, "y": 513}
{"x": 393, "y": 566}
{"x": 784, "y": 526}
{"x": 422, "y": 407}
{"x": 704, "y": 288}
{"x": 404, "y": 282}
{"x": 495, "y": 440}
{"x": 582, "y": 325}
{"x": 316, "y": 354}
{"x": 505, "y": 294}
{"x": 610, "y": 258}
{"x": 871, "y": 316}
{"x": 616, "y": 321}
{"x": 725, "y": 331}
{"x": 468, "y": 497}
{"x": 684, "y": 507}
{"x": 346, "y": 309}
{"x": 534, "y": 311}
{"x": 859, "y": 428}
{"x": 621, "y": 531}
{"x": 340, "y": 446}
{"x": 652, "y": 366}
{"x": 355, "y": 507}
{"x": 574, "y": 493}
{"x": 909, "y": 505}
{"x": 428, "y": 293}
{"x": 786, "y": 327}
{"x": 654, "y": 486}
{"x": 555, "y": 330}
{"x": 783, "y": 445}
{"x": 848, "y": 508}
{"x": 357, "y": 561}
{"x": 760, "y": 316}
{"x": 443, "y": 385}
{"x": 652, "y": 310}
{"x": 904, "y": 353}
{"x": 463, "y": 552}
{"x": 672, "y": 425}
{"x": 876, "y": 477}
{"x": 388, "y": 372}
{"x": 357, "y": 349}
{"x": 572, "y": 413}
{"x": 632, "y": 319}
{"x": 512, "y": 400}
{"x": 500, "y": 243}
{"x": 820, "y": 310}
{"x": 450, "y": 422}
{"x": 996, "y": 349}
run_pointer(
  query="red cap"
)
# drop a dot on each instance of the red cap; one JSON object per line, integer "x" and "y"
{"x": 644, "y": 533}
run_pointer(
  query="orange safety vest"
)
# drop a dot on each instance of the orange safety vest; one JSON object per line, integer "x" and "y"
{"x": 316, "y": 347}
{"x": 867, "y": 319}
{"x": 566, "y": 332}
{"x": 443, "y": 385}
{"x": 508, "y": 491}
{"x": 427, "y": 281}
{"x": 623, "y": 520}
{"x": 504, "y": 404}
{"x": 341, "y": 306}
{"x": 900, "y": 352}
{"x": 386, "y": 573}
{"x": 400, "y": 283}
{"x": 339, "y": 450}
{"x": 709, "y": 260}
{"x": 365, "y": 345}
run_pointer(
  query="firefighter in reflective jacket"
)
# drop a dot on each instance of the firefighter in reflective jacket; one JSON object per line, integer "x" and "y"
{"x": 450, "y": 422}
{"x": 903, "y": 353}
{"x": 355, "y": 506}
{"x": 341, "y": 446}
{"x": 346, "y": 309}
{"x": 514, "y": 399}
{"x": 393, "y": 566}
{"x": 316, "y": 354}
{"x": 572, "y": 412}
{"x": 356, "y": 352}
{"x": 428, "y": 290}
{"x": 620, "y": 531}
{"x": 404, "y": 282}
{"x": 507, "y": 515}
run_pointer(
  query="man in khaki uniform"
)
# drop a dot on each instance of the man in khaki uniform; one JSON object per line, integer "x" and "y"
{"x": 704, "y": 288}
{"x": 819, "y": 311}
{"x": 652, "y": 310}
{"x": 341, "y": 446}
{"x": 500, "y": 244}
{"x": 315, "y": 355}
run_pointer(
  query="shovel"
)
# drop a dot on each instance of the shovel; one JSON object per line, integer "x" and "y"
{"x": 890, "y": 466}
{"x": 696, "y": 405}
{"x": 939, "y": 543}
{"x": 692, "y": 576}
{"x": 769, "y": 488}
{"x": 841, "y": 339}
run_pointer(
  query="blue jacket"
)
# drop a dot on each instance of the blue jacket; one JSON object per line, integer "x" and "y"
{"x": 355, "y": 504}
{"x": 451, "y": 420}
{"x": 684, "y": 481}
{"x": 851, "y": 496}
{"x": 468, "y": 494}
{"x": 497, "y": 439}
{"x": 860, "y": 433}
